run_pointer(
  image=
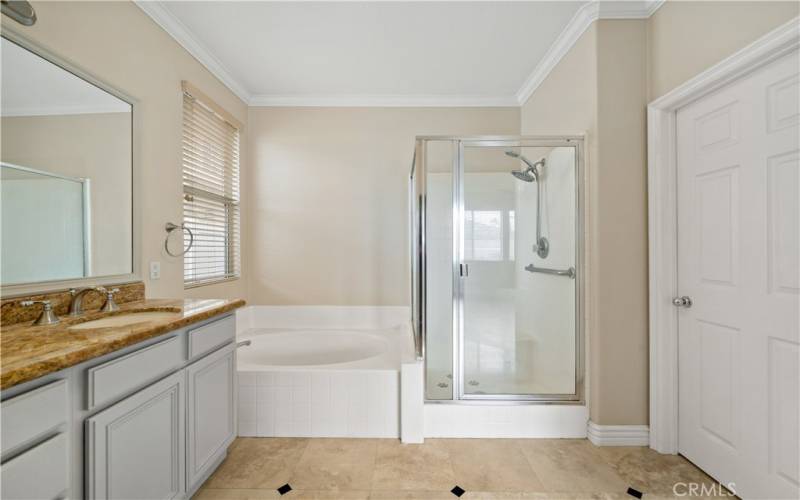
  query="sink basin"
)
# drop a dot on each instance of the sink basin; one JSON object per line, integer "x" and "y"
{"x": 130, "y": 318}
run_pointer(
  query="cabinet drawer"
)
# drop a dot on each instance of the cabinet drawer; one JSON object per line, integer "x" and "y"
{"x": 211, "y": 335}
{"x": 33, "y": 414}
{"x": 132, "y": 371}
{"x": 39, "y": 473}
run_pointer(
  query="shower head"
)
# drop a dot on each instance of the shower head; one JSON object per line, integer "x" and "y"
{"x": 531, "y": 173}
{"x": 524, "y": 175}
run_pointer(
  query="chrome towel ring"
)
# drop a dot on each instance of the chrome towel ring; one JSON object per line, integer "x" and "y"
{"x": 169, "y": 227}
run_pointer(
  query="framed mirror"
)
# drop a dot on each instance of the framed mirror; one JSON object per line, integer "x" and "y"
{"x": 66, "y": 174}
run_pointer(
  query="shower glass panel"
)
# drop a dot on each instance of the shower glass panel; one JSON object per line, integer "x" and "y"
{"x": 497, "y": 273}
{"x": 518, "y": 328}
{"x": 440, "y": 163}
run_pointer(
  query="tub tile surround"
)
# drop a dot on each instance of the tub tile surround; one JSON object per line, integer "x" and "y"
{"x": 319, "y": 403}
{"x": 11, "y": 312}
{"x": 29, "y": 352}
{"x": 485, "y": 468}
{"x": 356, "y": 399}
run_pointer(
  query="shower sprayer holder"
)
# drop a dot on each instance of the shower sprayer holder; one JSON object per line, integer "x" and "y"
{"x": 542, "y": 247}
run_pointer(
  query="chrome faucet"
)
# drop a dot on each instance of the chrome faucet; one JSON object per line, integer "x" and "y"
{"x": 48, "y": 316}
{"x": 76, "y": 304}
{"x": 110, "y": 305}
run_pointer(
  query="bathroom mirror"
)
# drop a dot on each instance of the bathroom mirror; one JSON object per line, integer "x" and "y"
{"x": 66, "y": 173}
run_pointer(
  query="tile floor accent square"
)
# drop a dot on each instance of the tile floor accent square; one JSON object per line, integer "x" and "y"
{"x": 457, "y": 491}
{"x": 634, "y": 493}
{"x": 284, "y": 489}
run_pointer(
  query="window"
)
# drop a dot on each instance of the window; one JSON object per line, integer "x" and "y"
{"x": 483, "y": 235}
{"x": 511, "y": 234}
{"x": 210, "y": 190}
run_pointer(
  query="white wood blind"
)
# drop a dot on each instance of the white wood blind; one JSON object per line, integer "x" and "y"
{"x": 210, "y": 193}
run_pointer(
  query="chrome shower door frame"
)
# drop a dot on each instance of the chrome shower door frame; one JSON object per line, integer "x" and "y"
{"x": 459, "y": 395}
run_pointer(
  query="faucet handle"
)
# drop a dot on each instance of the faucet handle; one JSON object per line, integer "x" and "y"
{"x": 110, "y": 305}
{"x": 48, "y": 317}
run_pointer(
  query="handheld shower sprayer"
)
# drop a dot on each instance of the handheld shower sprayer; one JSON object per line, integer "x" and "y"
{"x": 532, "y": 173}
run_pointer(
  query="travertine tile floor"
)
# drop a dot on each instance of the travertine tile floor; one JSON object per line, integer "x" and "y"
{"x": 485, "y": 468}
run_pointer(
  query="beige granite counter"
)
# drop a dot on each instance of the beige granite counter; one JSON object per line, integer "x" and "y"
{"x": 28, "y": 352}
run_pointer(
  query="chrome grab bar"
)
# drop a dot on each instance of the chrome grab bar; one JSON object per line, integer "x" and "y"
{"x": 243, "y": 343}
{"x": 570, "y": 273}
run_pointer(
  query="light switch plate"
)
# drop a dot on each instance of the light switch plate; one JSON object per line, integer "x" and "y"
{"x": 155, "y": 270}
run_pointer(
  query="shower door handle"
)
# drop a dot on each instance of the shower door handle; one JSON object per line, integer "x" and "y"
{"x": 463, "y": 270}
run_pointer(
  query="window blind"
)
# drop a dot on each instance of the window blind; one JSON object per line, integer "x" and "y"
{"x": 210, "y": 192}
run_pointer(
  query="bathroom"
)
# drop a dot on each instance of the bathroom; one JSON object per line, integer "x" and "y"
{"x": 247, "y": 255}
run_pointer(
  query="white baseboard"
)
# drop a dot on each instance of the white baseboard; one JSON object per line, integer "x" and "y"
{"x": 618, "y": 435}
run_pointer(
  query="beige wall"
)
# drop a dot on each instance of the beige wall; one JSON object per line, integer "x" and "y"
{"x": 93, "y": 146}
{"x": 329, "y": 193}
{"x": 684, "y": 38}
{"x": 602, "y": 87}
{"x": 619, "y": 354}
{"x": 598, "y": 89}
{"x": 119, "y": 44}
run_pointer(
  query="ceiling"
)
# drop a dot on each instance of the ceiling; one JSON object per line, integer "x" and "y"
{"x": 33, "y": 86}
{"x": 380, "y": 53}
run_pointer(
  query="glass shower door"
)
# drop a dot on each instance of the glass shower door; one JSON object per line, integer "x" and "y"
{"x": 517, "y": 336}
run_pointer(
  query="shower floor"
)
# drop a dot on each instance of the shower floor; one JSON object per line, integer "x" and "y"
{"x": 486, "y": 385}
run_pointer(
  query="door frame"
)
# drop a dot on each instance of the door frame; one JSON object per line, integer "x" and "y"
{"x": 572, "y": 141}
{"x": 662, "y": 219}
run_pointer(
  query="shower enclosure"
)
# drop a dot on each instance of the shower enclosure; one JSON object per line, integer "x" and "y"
{"x": 497, "y": 254}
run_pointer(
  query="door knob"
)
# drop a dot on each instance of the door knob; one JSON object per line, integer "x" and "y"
{"x": 683, "y": 301}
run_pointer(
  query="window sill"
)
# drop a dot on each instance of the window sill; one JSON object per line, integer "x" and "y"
{"x": 216, "y": 281}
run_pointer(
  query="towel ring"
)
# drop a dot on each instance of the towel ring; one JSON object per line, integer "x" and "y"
{"x": 171, "y": 227}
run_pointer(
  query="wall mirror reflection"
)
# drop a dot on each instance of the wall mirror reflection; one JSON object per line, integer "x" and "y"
{"x": 65, "y": 174}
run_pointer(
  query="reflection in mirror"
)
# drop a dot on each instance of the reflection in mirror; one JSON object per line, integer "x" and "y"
{"x": 66, "y": 174}
{"x": 55, "y": 206}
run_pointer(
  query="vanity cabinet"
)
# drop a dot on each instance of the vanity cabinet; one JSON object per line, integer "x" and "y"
{"x": 41, "y": 472}
{"x": 134, "y": 449}
{"x": 211, "y": 386}
{"x": 152, "y": 420}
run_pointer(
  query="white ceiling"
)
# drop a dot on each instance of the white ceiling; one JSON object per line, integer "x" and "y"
{"x": 379, "y": 53}
{"x": 34, "y": 86}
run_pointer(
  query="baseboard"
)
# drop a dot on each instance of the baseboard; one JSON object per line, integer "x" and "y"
{"x": 618, "y": 435}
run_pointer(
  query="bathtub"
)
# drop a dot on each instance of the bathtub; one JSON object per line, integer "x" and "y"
{"x": 321, "y": 372}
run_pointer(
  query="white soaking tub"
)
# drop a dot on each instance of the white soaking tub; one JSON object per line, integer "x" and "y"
{"x": 321, "y": 371}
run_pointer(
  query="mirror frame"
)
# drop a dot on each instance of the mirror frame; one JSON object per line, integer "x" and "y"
{"x": 7, "y": 291}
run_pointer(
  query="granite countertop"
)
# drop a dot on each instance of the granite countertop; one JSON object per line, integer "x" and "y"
{"x": 28, "y": 352}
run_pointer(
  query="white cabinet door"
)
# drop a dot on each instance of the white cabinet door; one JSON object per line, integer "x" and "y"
{"x": 135, "y": 449}
{"x": 739, "y": 261}
{"x": 212, "y": 411}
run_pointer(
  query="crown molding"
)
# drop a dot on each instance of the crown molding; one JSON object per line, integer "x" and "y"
{"x": 389, "y": 101}
{"x": 586, "y": 15}
{"x": 177, "y": 30}
{"x": 580, "y": 22}
{"x": 637, "y": 9}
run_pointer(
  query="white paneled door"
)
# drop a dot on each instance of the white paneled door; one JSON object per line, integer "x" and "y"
{"x": 739, "y": 264}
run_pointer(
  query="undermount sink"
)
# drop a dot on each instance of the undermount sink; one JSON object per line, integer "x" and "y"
{"x": 125, "y": 319}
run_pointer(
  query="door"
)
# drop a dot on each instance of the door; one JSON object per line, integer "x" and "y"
{"x": 518, "y": 246}
{"x": 211, "y": 411}
{"x": 135, "y": 448}
{"x": 739, "y": 263}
